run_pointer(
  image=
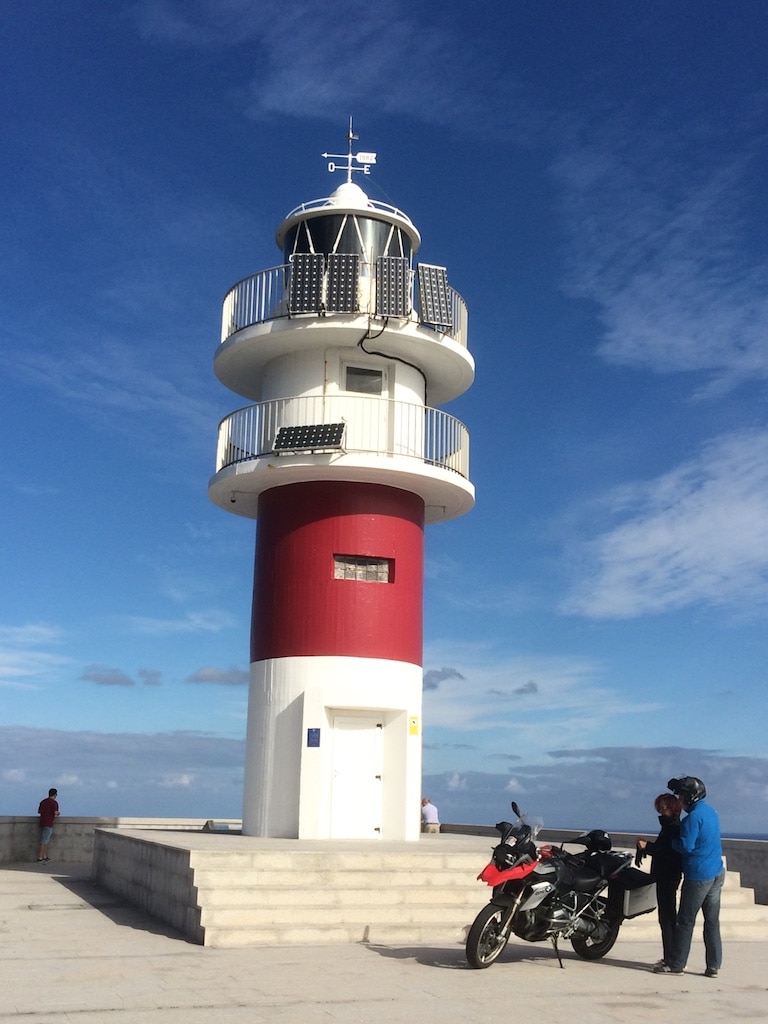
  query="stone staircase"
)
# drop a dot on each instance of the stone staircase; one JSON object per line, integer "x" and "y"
{"x": 425, "y": 894}
{"x": 365, "y": 895}
{"x": 233, "y": 890}
{"x": 741, "y": 919}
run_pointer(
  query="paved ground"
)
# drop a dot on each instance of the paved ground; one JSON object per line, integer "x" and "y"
{"x": 72, "y": 952}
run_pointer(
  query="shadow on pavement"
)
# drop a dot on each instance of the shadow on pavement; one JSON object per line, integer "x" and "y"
{"x": 77, "y": 881}
{"x": 455, "y": 959}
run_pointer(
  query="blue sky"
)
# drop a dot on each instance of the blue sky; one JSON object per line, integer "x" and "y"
{"x": 593, "y": 176}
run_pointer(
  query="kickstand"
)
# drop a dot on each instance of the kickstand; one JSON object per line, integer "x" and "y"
{"x": 557, "y": 951}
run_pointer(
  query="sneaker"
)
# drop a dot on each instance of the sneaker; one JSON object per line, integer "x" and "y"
{"x": 660, "y": 963}
{"x": 40, "y": 860}
{"x": 711, "y": 972}
{"x": 662, "y": 968}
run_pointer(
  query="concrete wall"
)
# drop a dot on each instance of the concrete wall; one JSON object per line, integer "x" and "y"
{"x": 72, "y": 841}
{"x": 151, "y": 875}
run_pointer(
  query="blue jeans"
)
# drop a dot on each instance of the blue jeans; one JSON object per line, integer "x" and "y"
{"x": 696, "y": 896}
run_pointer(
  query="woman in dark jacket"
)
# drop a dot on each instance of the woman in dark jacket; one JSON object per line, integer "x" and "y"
{"x": 666, "y": 869}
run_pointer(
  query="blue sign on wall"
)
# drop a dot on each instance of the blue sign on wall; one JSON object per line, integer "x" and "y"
{"x": 313, "y": 737}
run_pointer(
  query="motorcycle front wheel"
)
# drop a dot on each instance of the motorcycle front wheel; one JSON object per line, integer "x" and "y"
{"x": 485, "y": 943}
{"x": 601, "y": 940}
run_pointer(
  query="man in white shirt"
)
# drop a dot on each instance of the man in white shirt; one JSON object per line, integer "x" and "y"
{"x": 430, "y": 822}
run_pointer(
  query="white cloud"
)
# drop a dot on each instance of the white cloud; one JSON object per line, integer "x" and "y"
{"x": 31, "y": 634}
{"x": 656, "y": 243}
{"x": 455, "y": 782}
{"x": 112, "y": 380}
{"x": 211, "y": 675}
{"x": 518, "y": 703}
{"x": 106, "y": 675}
{"x": 313, "y": 60}
{"x": 356, "y": 62}
{"x": 515, "y": 786}
{"x": 202, "y": 23}
{"x": 178, "y": 781}
{"x": 211, "y": 621}
{"x": 607, "y": 787}
{"x": 696, "y": 535}
{"x": 180, "y": 774}
{"x": 21, "y": 657}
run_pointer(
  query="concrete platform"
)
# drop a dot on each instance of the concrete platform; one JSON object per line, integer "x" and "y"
{"x": 234, "y": 890}
{"x": 74, "y": 953}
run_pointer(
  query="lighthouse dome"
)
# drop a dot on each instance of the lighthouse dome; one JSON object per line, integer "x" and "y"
{"x": 350, "y": 196}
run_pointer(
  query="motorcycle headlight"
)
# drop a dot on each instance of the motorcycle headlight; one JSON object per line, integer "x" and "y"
{"x": 506, "y": 856}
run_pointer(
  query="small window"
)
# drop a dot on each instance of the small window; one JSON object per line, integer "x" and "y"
{"x": 357, "y": 567}
{"x": 364, "y": 381}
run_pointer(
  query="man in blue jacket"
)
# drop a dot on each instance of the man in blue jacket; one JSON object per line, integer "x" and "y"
{"x": 703, "y": 875}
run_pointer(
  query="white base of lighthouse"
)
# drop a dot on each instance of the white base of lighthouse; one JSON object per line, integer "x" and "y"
{"x": 333, "y": 749}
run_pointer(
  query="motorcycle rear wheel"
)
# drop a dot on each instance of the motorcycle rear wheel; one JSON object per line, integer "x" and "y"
{"x": 601, "y": 941}
{"x": 484, "y": 942}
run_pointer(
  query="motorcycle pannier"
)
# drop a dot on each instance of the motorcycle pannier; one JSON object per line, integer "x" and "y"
{"x": 639, "y": 895}
{"x": 639, "y": 901}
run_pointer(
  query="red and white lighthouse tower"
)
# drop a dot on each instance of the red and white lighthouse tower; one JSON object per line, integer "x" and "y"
{"x": 342, "y": 461}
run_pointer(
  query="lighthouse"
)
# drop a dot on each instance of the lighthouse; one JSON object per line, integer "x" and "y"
{"x": 345, "y": 351}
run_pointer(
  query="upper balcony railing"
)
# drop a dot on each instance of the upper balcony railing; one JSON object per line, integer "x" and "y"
{"x": 318, "y": 285}
{"x": 372, "y": 426}
{"x": 372, "y": 204}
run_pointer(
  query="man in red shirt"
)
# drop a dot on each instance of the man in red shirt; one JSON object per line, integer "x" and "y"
{"x": 48, "y": 811}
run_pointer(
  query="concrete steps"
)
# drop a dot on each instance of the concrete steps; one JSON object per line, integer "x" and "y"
{"x": 328, "y": 896}
{"x": 741, "y": 919}
{"x": 232, "y": 890}
{"x": 419, "y": 895}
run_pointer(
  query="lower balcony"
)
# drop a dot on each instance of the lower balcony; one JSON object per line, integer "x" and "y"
{"x": 345, "y": 437}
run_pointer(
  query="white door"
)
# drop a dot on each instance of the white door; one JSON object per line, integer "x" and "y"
{"x": 356, "y": 777}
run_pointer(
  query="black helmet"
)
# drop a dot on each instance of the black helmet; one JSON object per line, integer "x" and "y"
{"x": 689, "y": 789}
{"x": 596, "y": 841}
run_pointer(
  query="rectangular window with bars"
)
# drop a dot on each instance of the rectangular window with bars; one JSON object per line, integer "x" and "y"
{"x": 358, "y": 567}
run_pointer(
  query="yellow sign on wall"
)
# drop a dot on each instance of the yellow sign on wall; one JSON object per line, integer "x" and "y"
{"x": 413, "y": 726}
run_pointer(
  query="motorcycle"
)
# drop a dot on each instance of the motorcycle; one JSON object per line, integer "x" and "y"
{"x": 547, "y": 893}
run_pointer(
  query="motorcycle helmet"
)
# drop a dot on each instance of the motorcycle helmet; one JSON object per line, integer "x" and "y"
{"x": 596, "y": 841}
{"x": 689, "y": 789}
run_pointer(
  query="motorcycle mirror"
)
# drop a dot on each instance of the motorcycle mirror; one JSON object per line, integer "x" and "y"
{"x": 516, "y": 809}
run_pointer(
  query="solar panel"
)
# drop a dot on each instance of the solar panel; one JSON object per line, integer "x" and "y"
{"x": 309, "y": 437}
{"x": 434, "y": 296}
{"x": 392, "y": 286}
{"x": 306, "y": 282}
{"x": 341, "y": 286}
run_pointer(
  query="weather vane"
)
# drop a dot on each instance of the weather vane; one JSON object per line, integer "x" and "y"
{"x": 365, "y": 159}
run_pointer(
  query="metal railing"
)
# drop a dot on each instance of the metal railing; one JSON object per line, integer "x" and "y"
{"x": 372, "y": 204}
{"x": 264, "y": 296}
{"x": 373, "y": 426}
{"x": 254, "y": 300}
